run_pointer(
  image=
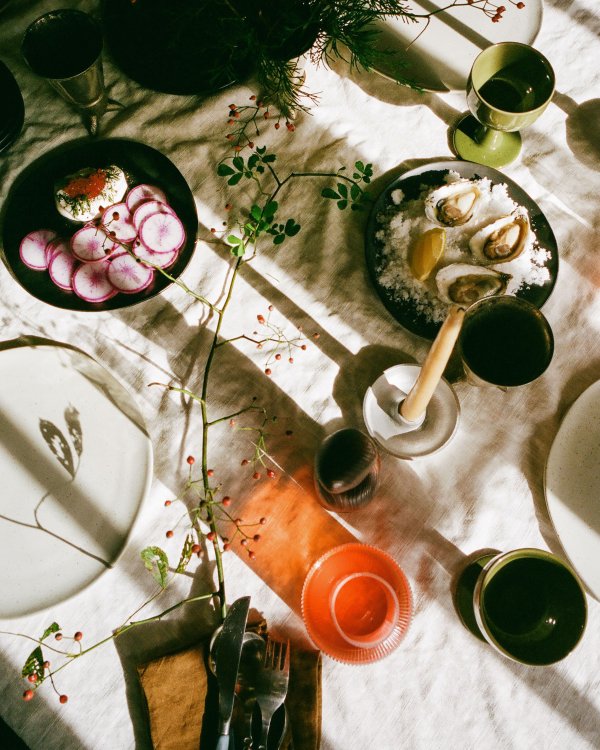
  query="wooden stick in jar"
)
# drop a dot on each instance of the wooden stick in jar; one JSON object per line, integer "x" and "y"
{"x": 415, "y": 404}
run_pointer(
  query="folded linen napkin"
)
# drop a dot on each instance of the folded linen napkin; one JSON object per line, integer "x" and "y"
{"x": 182, "y": 698}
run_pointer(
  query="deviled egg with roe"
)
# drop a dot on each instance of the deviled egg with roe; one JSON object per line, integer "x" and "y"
{"x": 82, "y": 196}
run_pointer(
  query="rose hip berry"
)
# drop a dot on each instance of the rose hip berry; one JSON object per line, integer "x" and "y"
{"x": 226, "y": 501}
{"x": 63, "y": 698}
{"x": 32, "y": 678}
{"x": 270, "y": 473}
{"x": 196, "y": 548}
{"x": 211, "y": 536}
{"x": 262, "y": 521}
{"x": 28, "y": 695}
{"x": 169, "y": 534}
{"x": 256, "y": 475}
{"x": 244, "y": 462}
{"x": 78, "y": 635}
{"x": 191, "y": 460}
{"x": 210, "y": 472}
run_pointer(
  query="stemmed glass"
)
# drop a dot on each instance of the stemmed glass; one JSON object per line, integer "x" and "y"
{"x": 509, "y": 87}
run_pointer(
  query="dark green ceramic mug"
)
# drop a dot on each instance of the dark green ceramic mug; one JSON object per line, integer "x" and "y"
{"x": 509, "y": 87}
{"x": 530, "y": 606}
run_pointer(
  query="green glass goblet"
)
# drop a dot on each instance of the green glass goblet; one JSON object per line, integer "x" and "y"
{"x": 509, "y": 87}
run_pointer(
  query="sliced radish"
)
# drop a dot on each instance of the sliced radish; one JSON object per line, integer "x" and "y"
{"x": 91, "y": 244}
{"x": 90, "y": 282}
{"x": 33, "y": 248}
{"x": 57, "y": 245}
{"x": 162, "y": 233}
{"x": 117, "y": 223}
{"x": 61, "y": 268}
{"x": 127, "y": 274}
{"x": 160, "y": 260}
{"x": 147, "y": 209}
{"x": 141, "y": 193}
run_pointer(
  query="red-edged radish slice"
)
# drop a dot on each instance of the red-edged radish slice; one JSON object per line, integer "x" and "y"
{"x": 57, "y": 245}
{"x": 90, "y": 244}
{"x": 162, "y": 233}
{"x": 61, "y": 268}
{"x": 90, "y": 282}
{"x": 160, "y": 260}
{"x": 116, "y": 221}
{"x": 33, "y": 248}
{"x": 147, "y": 209}
{"x": 141, "y": 193}
{"x": 127, "y": 274}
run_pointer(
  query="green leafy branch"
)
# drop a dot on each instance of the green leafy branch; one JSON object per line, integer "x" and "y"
{"x": 206, "y": 513}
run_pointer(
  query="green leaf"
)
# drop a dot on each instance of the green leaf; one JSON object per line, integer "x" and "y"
{"x": 366, "y": 179}
{"x": 157, "y": 562}
{"x": 224, "y": 169}
{"x": 261, "y": 149}
{"x": 238, "y": 250}
{"x": 253, "y": 161}
{"x": 233, "y": 240}
{"x": 355, "y": 192}
{"x": 329, "y": 193}
{"x": 34, "y": 664}
{"x": 260, "y": 169}
{"x": 270, "y": 210}
{"x": 278, "y": 239}
{"x": 369, "y": 170}
{"x": 249, "y": 229}
{"x": 186, "y": 554}
{"x": 360, "y": 166}
{"x": 291, "y": 228}
{"x": 238, "y": 163}
{"x": 255, "y": 212}
{"x": 54, "y": 628}
{"x": 356, "y": 176}
{"x": 342, "y": 190}
{"x": 235, "y": 179}
{"x": 342, "y": 205}
{"x": 268, "y": 158}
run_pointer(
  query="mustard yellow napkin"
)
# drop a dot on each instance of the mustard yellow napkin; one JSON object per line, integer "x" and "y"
{"x": 182, "y": 698}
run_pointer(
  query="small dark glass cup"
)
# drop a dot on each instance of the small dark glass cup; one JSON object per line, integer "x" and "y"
{"x": 346, "y": 470}
{"x": 505, "y": 341}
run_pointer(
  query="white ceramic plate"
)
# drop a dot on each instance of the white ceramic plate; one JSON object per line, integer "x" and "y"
{"x": 572, "y": 485}
{"x": 75, "y": 455}
{"x": 441, "y": 58}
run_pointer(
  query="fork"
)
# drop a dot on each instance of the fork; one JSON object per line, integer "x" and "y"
{"x": 272, "y": 684}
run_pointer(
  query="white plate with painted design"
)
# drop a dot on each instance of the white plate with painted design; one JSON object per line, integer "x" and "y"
{"x": 76, "y": 464}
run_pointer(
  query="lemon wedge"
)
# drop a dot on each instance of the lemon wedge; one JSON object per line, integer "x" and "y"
{"x": 426, "y": 252}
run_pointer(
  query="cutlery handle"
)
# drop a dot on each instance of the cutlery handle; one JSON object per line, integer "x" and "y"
{"x": 223, "y": 743}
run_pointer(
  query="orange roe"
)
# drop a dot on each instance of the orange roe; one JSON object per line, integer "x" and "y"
{"x": 90, "y": 186}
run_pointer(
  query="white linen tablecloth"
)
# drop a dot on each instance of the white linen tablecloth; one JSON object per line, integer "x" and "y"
{"x": 442, "y": 689}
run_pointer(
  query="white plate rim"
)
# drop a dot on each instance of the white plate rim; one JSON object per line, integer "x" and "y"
{"x": 592, "y": 391}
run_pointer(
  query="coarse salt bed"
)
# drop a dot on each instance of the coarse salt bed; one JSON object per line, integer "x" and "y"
{"x": 403, "y": 223}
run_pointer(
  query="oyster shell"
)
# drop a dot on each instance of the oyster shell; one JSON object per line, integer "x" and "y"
{"x": 501, "y": 241}
{"x": 452, "y": 205}
{"x": 463, "y": 284}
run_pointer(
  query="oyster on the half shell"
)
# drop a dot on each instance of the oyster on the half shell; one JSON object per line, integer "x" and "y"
{"x": 464, "y": 284}
{"x": 452, "y": 205}
{"x": 501, "y": 241}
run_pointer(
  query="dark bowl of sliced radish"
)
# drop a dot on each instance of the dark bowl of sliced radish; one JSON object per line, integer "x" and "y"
{"x": 130, "y": 253}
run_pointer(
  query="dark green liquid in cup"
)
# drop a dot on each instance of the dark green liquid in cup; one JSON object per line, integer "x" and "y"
{"x": 535, "y": 609}
{"x": 506, "y": 345}
{"x": 521, "y": 86}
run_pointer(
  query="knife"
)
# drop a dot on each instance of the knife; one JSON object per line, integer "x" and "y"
{"x": 229, "y": 649}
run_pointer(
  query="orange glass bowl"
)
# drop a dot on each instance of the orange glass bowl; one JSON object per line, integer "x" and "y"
{"x": 334, "y": 566}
